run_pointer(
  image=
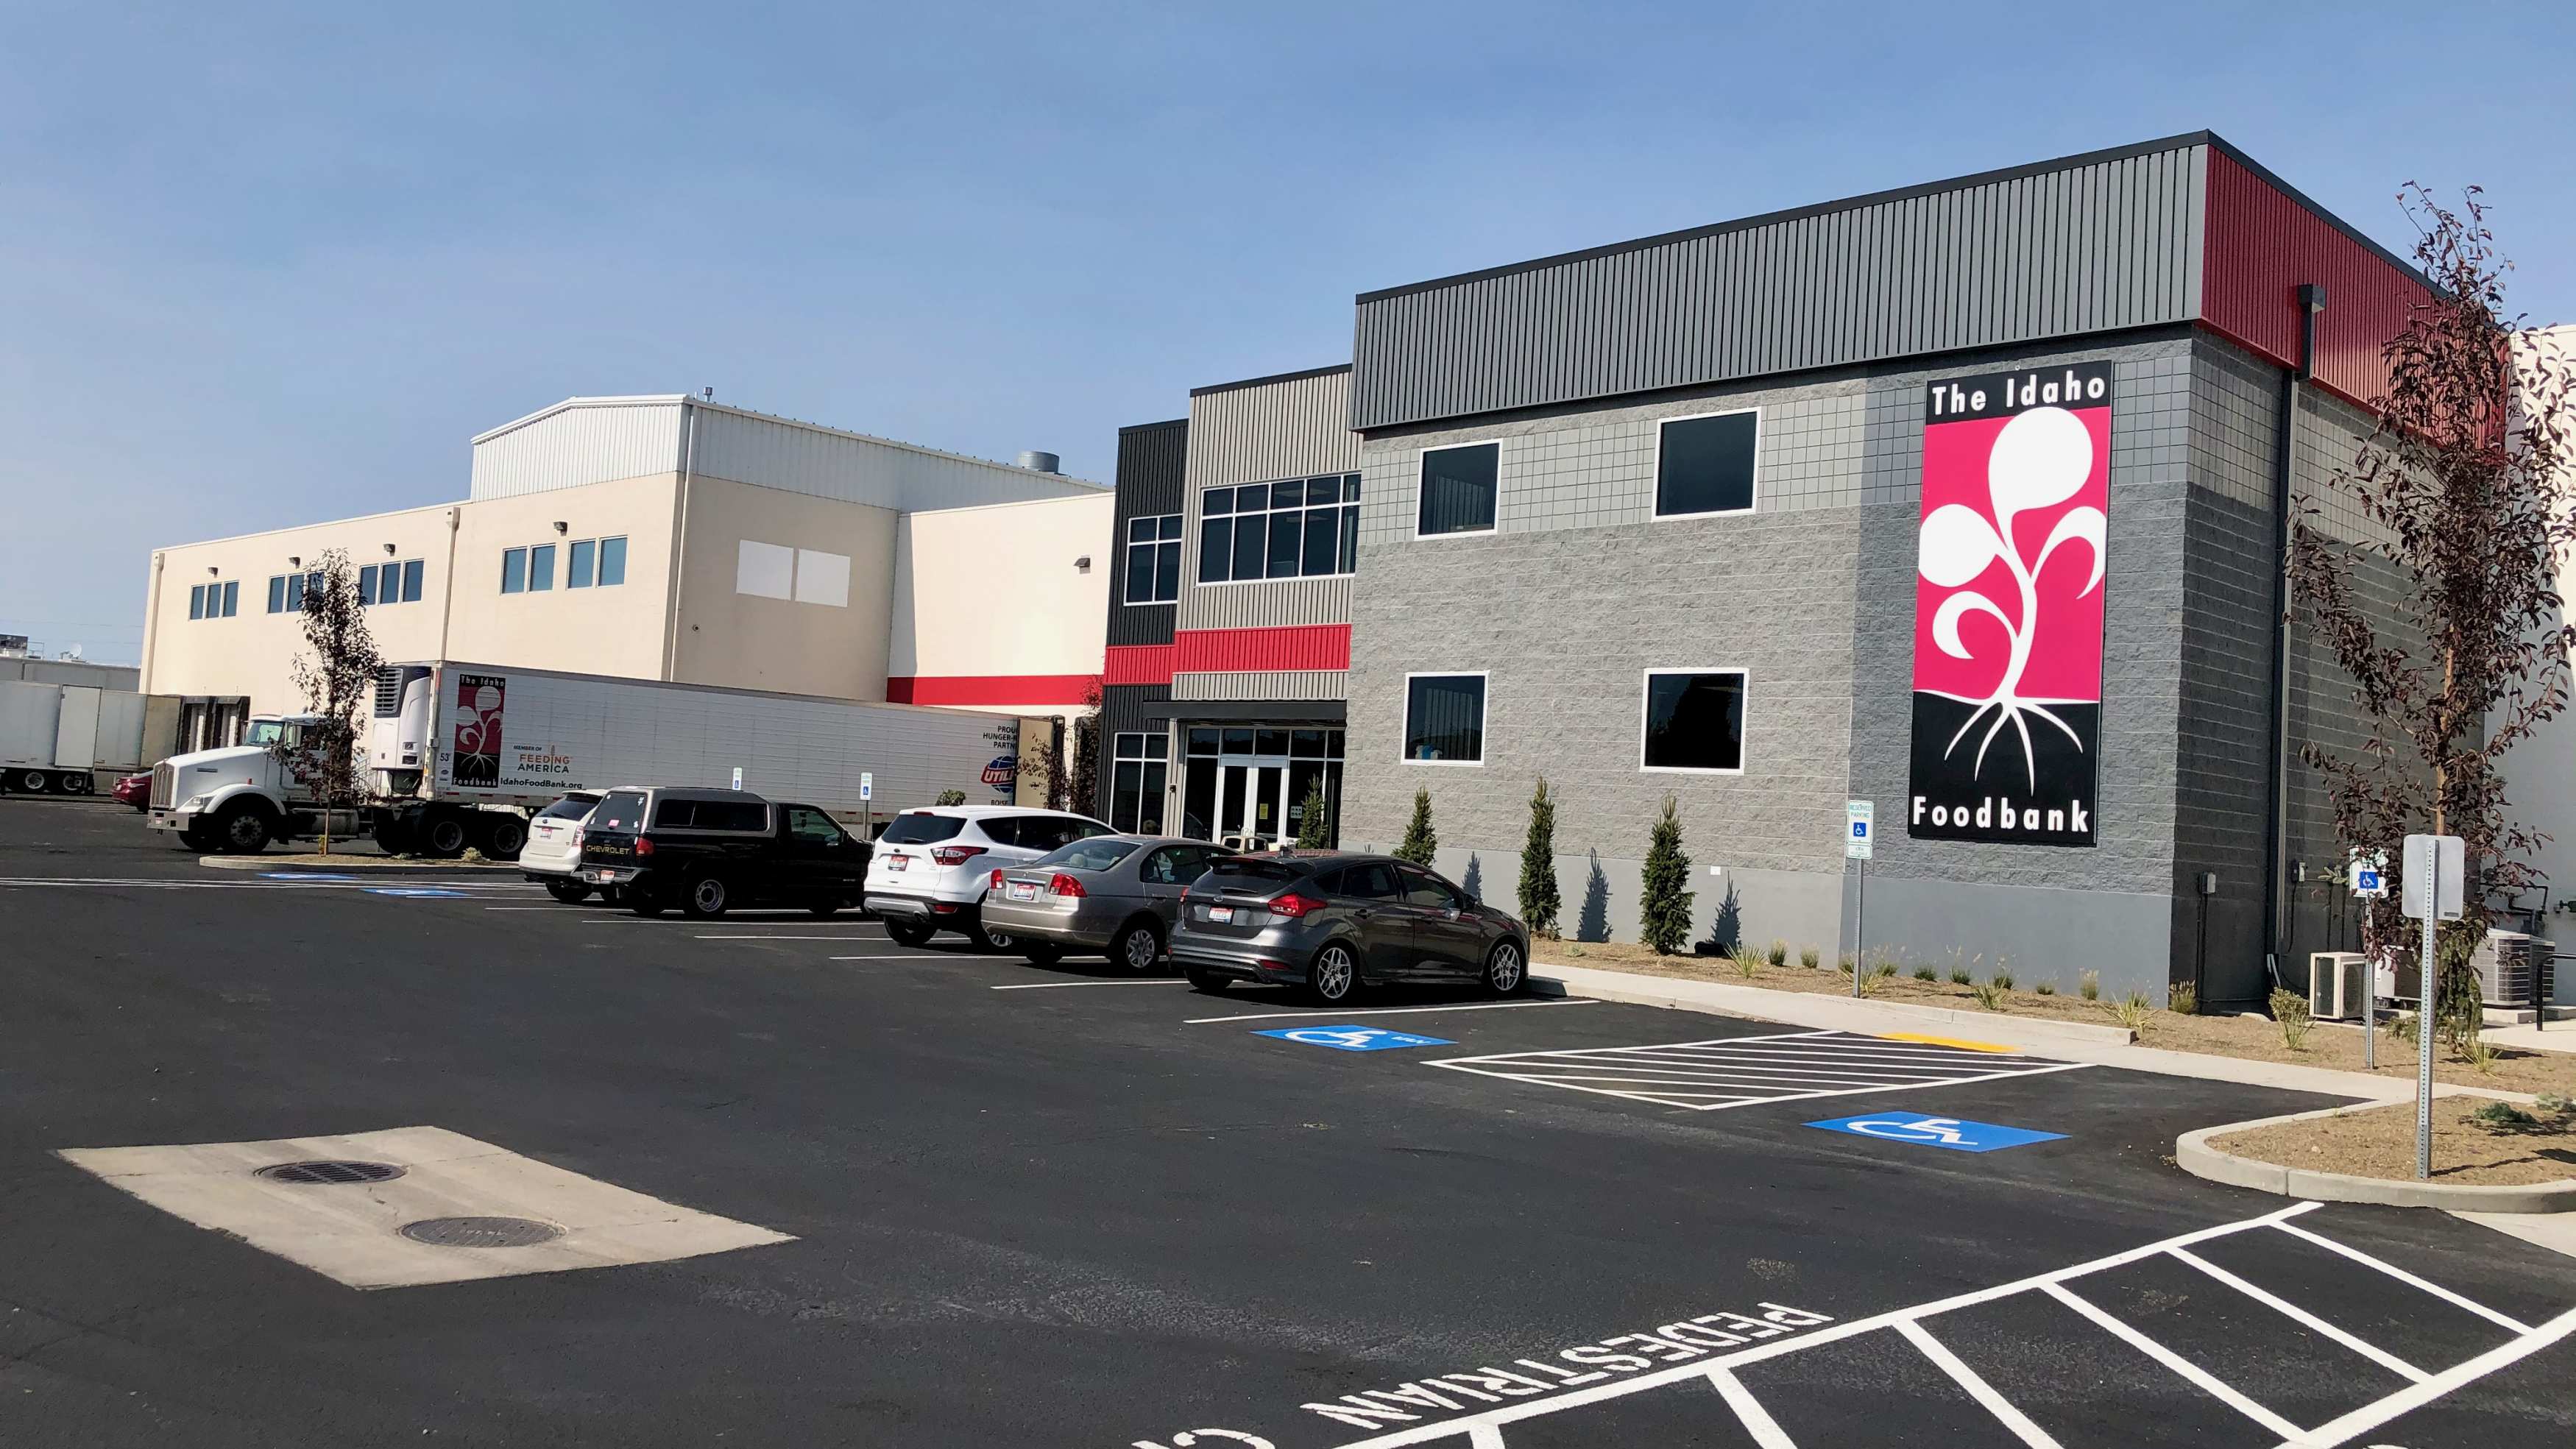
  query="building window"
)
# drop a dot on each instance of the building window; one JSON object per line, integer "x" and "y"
{"x": 393, "y": 583}
{"x": 1299, "y": 528}
{"x": 197, "y": 602}
{"x": 411, "y": 581}
{"x": 1458, "y": 486}
{"x": 232, "y": 597}
{"x": 579, "y": 562}
{"x": 1705, "y": 465}
{"x": 541, "y": 567}
{"x": 277, "y": 593}
{"x": 1154, "y": 559}
{"x": 514, "y": 570}
{"x": 1137, "y": 773}
{"x": 1444, "y": 719}
{"x": 1694, "y": 721}
{"x": 296, "y": 585}
{"x": 612, "y": 561}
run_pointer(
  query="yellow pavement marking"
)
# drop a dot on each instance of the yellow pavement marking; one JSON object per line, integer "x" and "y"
{"x": 1950, "y": 1041}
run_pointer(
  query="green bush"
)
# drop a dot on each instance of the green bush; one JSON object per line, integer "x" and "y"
{"x": 1808, "y": 956}
{"x": 1778, "y": 955}
{"x": 1664, "y": 904}
{"x": 2090, "y": 983}
{"x": 2133, "y": 1011}
{"x": 1926, "y": 973}
{"x": 1747, "y": 965}
{"x": 1959, "y": 976}
{"x": 2183, "y": 999}
{"x": 2046, "y": 988}
{"x": 1421, "y": 842}
{"x": 2290, "y": 1009}
{"x": 1989, "y": 995}
{"x": 950, "y": 797}
{"x": 1540, "y": 901}
{"x": 2003, "y": 979}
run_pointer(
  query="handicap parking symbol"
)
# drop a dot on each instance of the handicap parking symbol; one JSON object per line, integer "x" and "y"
{"x": 1948, "y": 1132}
{"x": 302, "y": 875}
{"x": 1354, "y": 1038}
{"x": 415, "y": 892}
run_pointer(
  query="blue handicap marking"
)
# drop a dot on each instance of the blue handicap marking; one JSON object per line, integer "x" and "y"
{"x": 302, "y": 875}
{"x": 1949, "y": 1132}
{"x": 414, "y": 892}
{"x": 1354, "y": 1038}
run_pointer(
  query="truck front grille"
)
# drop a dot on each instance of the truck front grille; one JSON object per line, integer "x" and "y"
{"x": 165, "y": 786}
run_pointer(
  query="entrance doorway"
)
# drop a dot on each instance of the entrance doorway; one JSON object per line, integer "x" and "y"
{"x": 1251, "y": 786}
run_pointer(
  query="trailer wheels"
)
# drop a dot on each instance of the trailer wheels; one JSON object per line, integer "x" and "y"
{"x": 34, "y": 782}
{"x": 442, "y": 836}
{"x": 504, "y": 836}
{"x": 242, "y": 828}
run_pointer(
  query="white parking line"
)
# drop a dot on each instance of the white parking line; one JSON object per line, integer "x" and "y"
{"x": 2409, "y": 1279}
{"x": 2175, "y": 1363}
{"x": 1757, "y": 1421}
{"x": 1978, "y": 1389}
{"x": 2307, "y": 1320}
{"x": 767, "y": 937}
{"x": 1393, "y": 1010}
{"x": 1053, "y": 985}
{"x": 1709, "y": 1076}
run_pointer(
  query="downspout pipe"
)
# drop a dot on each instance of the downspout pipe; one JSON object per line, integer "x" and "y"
{"x": 2311, "y": 300}
{"x": 680, "y": 538}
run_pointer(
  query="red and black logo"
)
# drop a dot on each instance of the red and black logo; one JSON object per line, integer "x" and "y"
{"x": 477, "y": 747}
{"x": 2008, "y": 607}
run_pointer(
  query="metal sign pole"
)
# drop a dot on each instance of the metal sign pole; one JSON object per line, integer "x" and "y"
{"x": 1860, "y": 914}
{"x": 2427, "y": 988}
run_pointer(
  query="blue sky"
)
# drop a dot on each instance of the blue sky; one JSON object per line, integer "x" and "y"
{"x": 264, "y": 266}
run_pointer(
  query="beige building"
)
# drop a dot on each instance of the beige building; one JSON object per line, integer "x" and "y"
{"x": 677, "y": 539}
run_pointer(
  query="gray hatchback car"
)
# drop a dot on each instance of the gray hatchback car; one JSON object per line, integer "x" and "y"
{"x": 1337, "y": 923}
{"x": 1112, "y": 893}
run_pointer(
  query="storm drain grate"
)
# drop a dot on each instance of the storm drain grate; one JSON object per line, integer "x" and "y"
{"x": 481, "y": 1232}
{"x": 317, "y": 1174}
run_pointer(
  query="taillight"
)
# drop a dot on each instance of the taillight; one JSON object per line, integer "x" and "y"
{"x": 1293, "y": 905}
{"x": 1064, "y": 887}
{"x": 643, "y": 845}
{"x": 997, "y": 881}
{"x": 576, "y": 837}
{"x": 955, "y": 854}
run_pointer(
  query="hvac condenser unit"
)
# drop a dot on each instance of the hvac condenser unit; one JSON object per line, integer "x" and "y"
{"x": 2336, "y": 981}
{"x": 2508, "y": 964}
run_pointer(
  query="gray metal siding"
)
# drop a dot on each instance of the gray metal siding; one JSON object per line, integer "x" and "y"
{"x": 2102, "y": 246}
{"x": 1152, "y": 461}
{"x": 1294, "y": 428}
{"x": 853, "y": 469}
{"x": 576, "y": 446}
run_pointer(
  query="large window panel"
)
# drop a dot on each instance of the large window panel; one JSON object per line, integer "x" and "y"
{"x": 1154, "y": 559}
{"x": 1458, "y": 487}
{"x": 1251, "y": 535}
{"x": 514, "y": 570}
{"x": 1293, "y": 528}
{"x": 1694, "y": 721}
{"x": 1705, "y": 465}
{"x": 1444, "y": 719}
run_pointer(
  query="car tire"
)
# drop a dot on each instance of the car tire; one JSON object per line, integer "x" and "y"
{"x": 644, "y": 903}
{"x": 706, "y": 898}
{"x": 1139, "y": 948}
{"x": 1333, "y": 978}
{"x": 242, "y": 829}
{"x": 442, "y": 837}
{"x": 1000, "y": 943}
{"x": 1207, "y": 981}
{"x": 504, "y": 836}
{"x": 1043, "y": 954}
{"x": 909, "y": 934}
{"x": 570, "y": 892}
{"x": 1506, "y": 970}
{"x": 78, "y": 784}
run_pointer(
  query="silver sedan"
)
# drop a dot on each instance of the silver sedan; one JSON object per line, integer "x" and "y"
{"x": 1114, "y": 893}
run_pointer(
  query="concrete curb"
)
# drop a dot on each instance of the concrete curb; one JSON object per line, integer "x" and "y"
{"x": 265, "y": 861}
{"x": 2194, "y": 1155}
{"x": 1837, "y": 1013}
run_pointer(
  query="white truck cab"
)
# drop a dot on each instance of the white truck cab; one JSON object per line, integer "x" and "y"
{"x": 238, "y": 799}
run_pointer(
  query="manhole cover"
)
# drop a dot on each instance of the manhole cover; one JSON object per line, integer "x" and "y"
{"x": 327, "y": 1173}
{"x": 481, "y": 1232}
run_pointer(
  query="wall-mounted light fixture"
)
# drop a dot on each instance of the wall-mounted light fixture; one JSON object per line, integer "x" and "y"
{"x": 1082, "y": 565}
{"x": 389, "y": 549}
{"x": 562, "y": 527}
{"x": 211, "y": 570}
{"x": 294, "y": 561}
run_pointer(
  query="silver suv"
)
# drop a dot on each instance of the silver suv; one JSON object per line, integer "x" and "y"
{"x": 933, "y": 866}
{"x": 1336, "y": 924}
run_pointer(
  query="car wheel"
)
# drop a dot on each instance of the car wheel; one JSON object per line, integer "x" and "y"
{"x": 986, "y": 938}
{"x": 907, "y": 933}
{"x": 443, "y": 838}
{"x": 1043, "y": 954}
{"x": 570, "y": 892}
{"x": 643, "y": 903}
{"x": 707, "y": 898}
{"x": 1207, "y": 981}
{"x": 1138, "y": 948}
{"x": 1335, "y": 977}
{"x": 242, "y": 829}
{"x": 1506, "y": 971}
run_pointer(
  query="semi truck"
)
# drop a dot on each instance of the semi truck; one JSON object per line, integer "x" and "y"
{"x": 459, "y": 755}
{"x": 65, "y": 739}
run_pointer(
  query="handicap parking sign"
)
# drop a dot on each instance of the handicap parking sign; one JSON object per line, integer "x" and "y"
{"x": 1354, "y": 1038}
{"x": 1949, "y": 1132}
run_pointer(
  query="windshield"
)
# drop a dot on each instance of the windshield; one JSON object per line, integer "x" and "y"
{"x": 922, "y": 829}
{"x": 1246, "y": 872}
{"x": 269, "y": 732}
{"x": 570, "y": 807}
{"x": 1089, "y": 854}
{"x": 620, "y": 810}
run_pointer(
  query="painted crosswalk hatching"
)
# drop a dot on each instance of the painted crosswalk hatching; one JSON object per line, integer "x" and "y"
{"x": 1918, "y": 1327}
{"x": 1707, "y": 1076}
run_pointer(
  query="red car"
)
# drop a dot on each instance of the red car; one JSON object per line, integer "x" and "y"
{"x": 134, "y": 790}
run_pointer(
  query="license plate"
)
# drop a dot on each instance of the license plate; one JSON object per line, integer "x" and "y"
{"x": 897, "y": 862}
{"x": 1221, "y": 913}
{"x": 1022, "y": 890}
{"x": 603, "y": 876}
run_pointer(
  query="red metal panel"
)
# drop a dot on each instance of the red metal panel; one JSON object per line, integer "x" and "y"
{"x": 989, "y": 689}
{"x": 1138, "y": 664}
{"x": 1294, "y": 646}
{"x": 2260, "y": 245}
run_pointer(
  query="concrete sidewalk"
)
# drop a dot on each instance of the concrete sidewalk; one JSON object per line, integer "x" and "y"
{"x": 2066, "y": 1040}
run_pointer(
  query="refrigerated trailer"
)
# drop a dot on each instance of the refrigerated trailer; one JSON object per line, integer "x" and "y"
{"x": 65, "y": 738}
{"x": 461, "y": 754}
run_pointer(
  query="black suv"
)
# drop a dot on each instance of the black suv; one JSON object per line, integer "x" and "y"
{"x": 707, "y": 851}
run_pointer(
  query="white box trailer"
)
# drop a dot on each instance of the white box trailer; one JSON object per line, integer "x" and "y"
{"x": 462, "y": 752}
{"x": 62, "y": 738}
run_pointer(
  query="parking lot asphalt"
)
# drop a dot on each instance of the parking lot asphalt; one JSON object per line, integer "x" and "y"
{"x": 1068, "y": 1207}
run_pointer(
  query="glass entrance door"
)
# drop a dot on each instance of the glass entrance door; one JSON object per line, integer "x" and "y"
{"x": 1249, "y": 787}
{"x": 1253, "y": 804}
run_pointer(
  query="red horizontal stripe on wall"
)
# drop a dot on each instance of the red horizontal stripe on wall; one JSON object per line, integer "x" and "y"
{"x": 1294, "y": 646}
{"x": 1138, "y": 664}
{"x": 989, "y": 689}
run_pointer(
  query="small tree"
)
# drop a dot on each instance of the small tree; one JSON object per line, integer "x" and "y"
{"x": 1314, "y": 832}
{"x": 1421, "y": 842}
{"x": 1539, "y": 898}
{"x": 1664, "y": 897}
{"x": 2462, "y": 478}
{"x": 1082, "y": 771}
{"x": 950, "y": 797}
{"x": 338, "y": 679}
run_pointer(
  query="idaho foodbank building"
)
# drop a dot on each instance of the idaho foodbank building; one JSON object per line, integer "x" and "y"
{"x": 1966, "y": 500}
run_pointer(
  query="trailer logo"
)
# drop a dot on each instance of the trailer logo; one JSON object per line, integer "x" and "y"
{"x": 2008, "y": 607}
{"x": 478, "y": 729}
{"x": 1004, "y": 771}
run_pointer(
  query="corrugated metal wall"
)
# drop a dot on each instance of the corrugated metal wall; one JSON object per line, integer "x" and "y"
{"x": 594, "y": 443}
{"x": 2107, "y": 243}
{"x": 2262, "y": 245}
{"x": 1295, "y": 427}
{"x": 1153, "y": 460}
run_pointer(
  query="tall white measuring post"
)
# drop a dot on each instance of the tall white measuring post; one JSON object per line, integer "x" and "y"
{"x": 2435, "y": 867}
{"x": 1860, "y": 833}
